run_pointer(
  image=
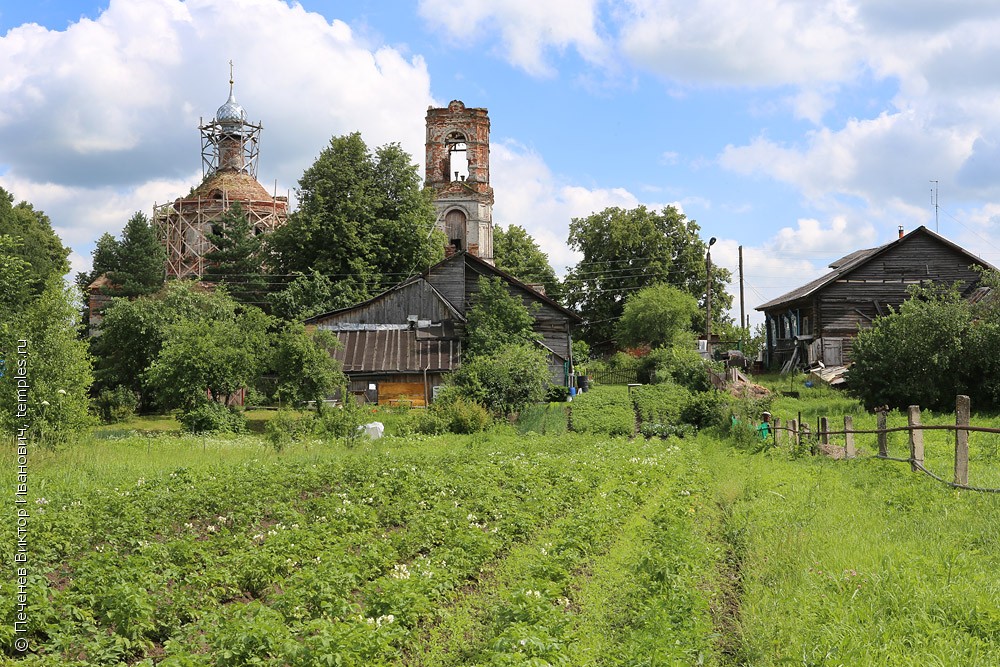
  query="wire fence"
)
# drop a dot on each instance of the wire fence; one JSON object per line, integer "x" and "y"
{"x": 800, "y": 433}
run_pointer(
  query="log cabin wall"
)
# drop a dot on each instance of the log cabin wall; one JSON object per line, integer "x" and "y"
{"x": 856, "y": 299}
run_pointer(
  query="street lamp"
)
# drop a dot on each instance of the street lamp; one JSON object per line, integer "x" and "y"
{"x": 708, "y": 295}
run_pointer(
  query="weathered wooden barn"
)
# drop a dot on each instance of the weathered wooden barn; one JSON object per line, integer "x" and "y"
{"x": 818, "y": 321}
{"x": 398, "y": 346}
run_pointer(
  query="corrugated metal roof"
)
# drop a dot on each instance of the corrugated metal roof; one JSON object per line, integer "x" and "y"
{"x": 396, "y": 351}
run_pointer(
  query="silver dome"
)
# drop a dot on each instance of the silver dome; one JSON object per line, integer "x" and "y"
{"x": 231, "y": 113}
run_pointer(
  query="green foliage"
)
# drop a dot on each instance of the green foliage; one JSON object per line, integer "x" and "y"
{"x": 603, "y": 410}
{"x": 36, "y": 243}
{"x": 41, "y": 344}
{"x": 287, "y": 427}
{"x": 219, "y": 357}
{"x": 304, "y": 367}
{"x": 661, "y": 403}
{"x": 116, "y": 405}
{"x": 455, "y": 414}
{"x": 658, "y": 316}
{"x": 680, "y": 364}
{"x": 237, "y": 259}
{"x": 519, "y": 255}
{"x": 134, "y": 330}
{"x": 627, "y": 250}
{"x": 313, "y": 293}
{"x": 556, "y": 393}
{"x": 363, "y": 221}
{"x": 140, "y": 259}
{"x": 13, "y": 279}
{"x": 206, "y": 416}
{"x": 705, "y": 409}
{"x": 505, "y": 381}
{"x": 497, "y": 319}
{"x": 920, "y": 354}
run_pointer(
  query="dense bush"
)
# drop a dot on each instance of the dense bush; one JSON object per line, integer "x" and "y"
{"x": 681, "y": 365}
{"x": 705, "y": 409}
{"x": 287, "y": 427}
{"x": 211, "y": 417}
{"x": 556, "y": 393}
{"x": 922, "y": 354}
{"x": 116, "y": 405}
{"x": 505, "y": 381}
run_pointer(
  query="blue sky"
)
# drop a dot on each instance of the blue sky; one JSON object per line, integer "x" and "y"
{"x": 798, "y": 129}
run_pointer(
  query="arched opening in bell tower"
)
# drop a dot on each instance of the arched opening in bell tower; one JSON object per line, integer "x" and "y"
{"x": 458, "y": 157}
{"x": 456, "y": 229}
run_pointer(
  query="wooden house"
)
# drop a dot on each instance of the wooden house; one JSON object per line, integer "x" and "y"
{"x": 818, "y": 321}
{"x": 397, "y": 347}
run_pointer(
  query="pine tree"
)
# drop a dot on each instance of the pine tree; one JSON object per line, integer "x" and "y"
{"x": 236, "y": 261}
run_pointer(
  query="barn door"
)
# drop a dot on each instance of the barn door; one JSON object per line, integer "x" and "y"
{"x": 833, "y": 351}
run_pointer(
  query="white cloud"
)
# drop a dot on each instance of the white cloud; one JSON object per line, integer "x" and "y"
{"x": 100, "y": 119}
{"x": 875, "y": 159}
{"x": 530, "y": 195}
{"x": 528, "y": 29}
{"x": 746, "y": 43}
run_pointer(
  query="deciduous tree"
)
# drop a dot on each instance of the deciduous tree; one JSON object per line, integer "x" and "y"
{"x": 37, "y": 243}
{"x": 517, "y": 253}
{"x": 363, "y": 220}
{"x": 497, "y": 319}
{"x": 304, "y": 366}
{"x": 627, "y": 250}
{"x": 657, "y": 316}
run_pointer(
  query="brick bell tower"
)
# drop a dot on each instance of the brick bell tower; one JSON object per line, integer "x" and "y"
{"x": 458, "y": 170}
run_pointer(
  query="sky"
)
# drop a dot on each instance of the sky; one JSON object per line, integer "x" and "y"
{"x": 799, "y": 130}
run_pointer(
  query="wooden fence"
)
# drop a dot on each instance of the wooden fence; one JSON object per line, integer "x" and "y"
{"x": 799, "y": 432}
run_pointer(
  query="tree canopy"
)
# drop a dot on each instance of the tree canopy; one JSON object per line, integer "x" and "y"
{"x": 657, "y": 316}
{"x": 209, "y": 357}
{"x": 627, "y": 250}
{"x": 935, "y": 346}
{"x": 237, "y": 259}
{"x": 134, "y": 330}
{"x": 517, "y": 253}
{"x": 135, "y": 265}
{"x": 363, "y": 220}
{"x": 497, "y": 319}
{"x": 36, "y": 242}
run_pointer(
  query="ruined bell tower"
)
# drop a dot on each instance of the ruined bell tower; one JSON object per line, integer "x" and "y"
{"x": 458, "y": 170}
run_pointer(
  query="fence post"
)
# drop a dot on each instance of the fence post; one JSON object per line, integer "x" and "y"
{"x": 962, "y": 410}
{"x": 916, "y": 438}
{"x": 849, "y": 451}
{"x": 777, "y": 432}
{"x": 793, "y": 426}
{"x": 824, "y": 431}
{"x": 883, "y": 440}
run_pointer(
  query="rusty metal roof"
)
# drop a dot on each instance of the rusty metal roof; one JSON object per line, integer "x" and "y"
{"x": 396, "y": 351}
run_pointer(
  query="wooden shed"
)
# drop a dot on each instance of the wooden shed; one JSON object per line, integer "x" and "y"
{"x": 818, "y": 321}
{"x": 397, "y": 347}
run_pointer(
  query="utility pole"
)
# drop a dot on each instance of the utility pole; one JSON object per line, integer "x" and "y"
{"x": 708, "y": 295}
{"x": 743, "y": 312}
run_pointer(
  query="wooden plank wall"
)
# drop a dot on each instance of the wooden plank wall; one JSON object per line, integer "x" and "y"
{"x": 417, "y": 298}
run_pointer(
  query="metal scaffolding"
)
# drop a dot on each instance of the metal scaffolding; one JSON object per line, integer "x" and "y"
{"x": 230, "y": 148}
